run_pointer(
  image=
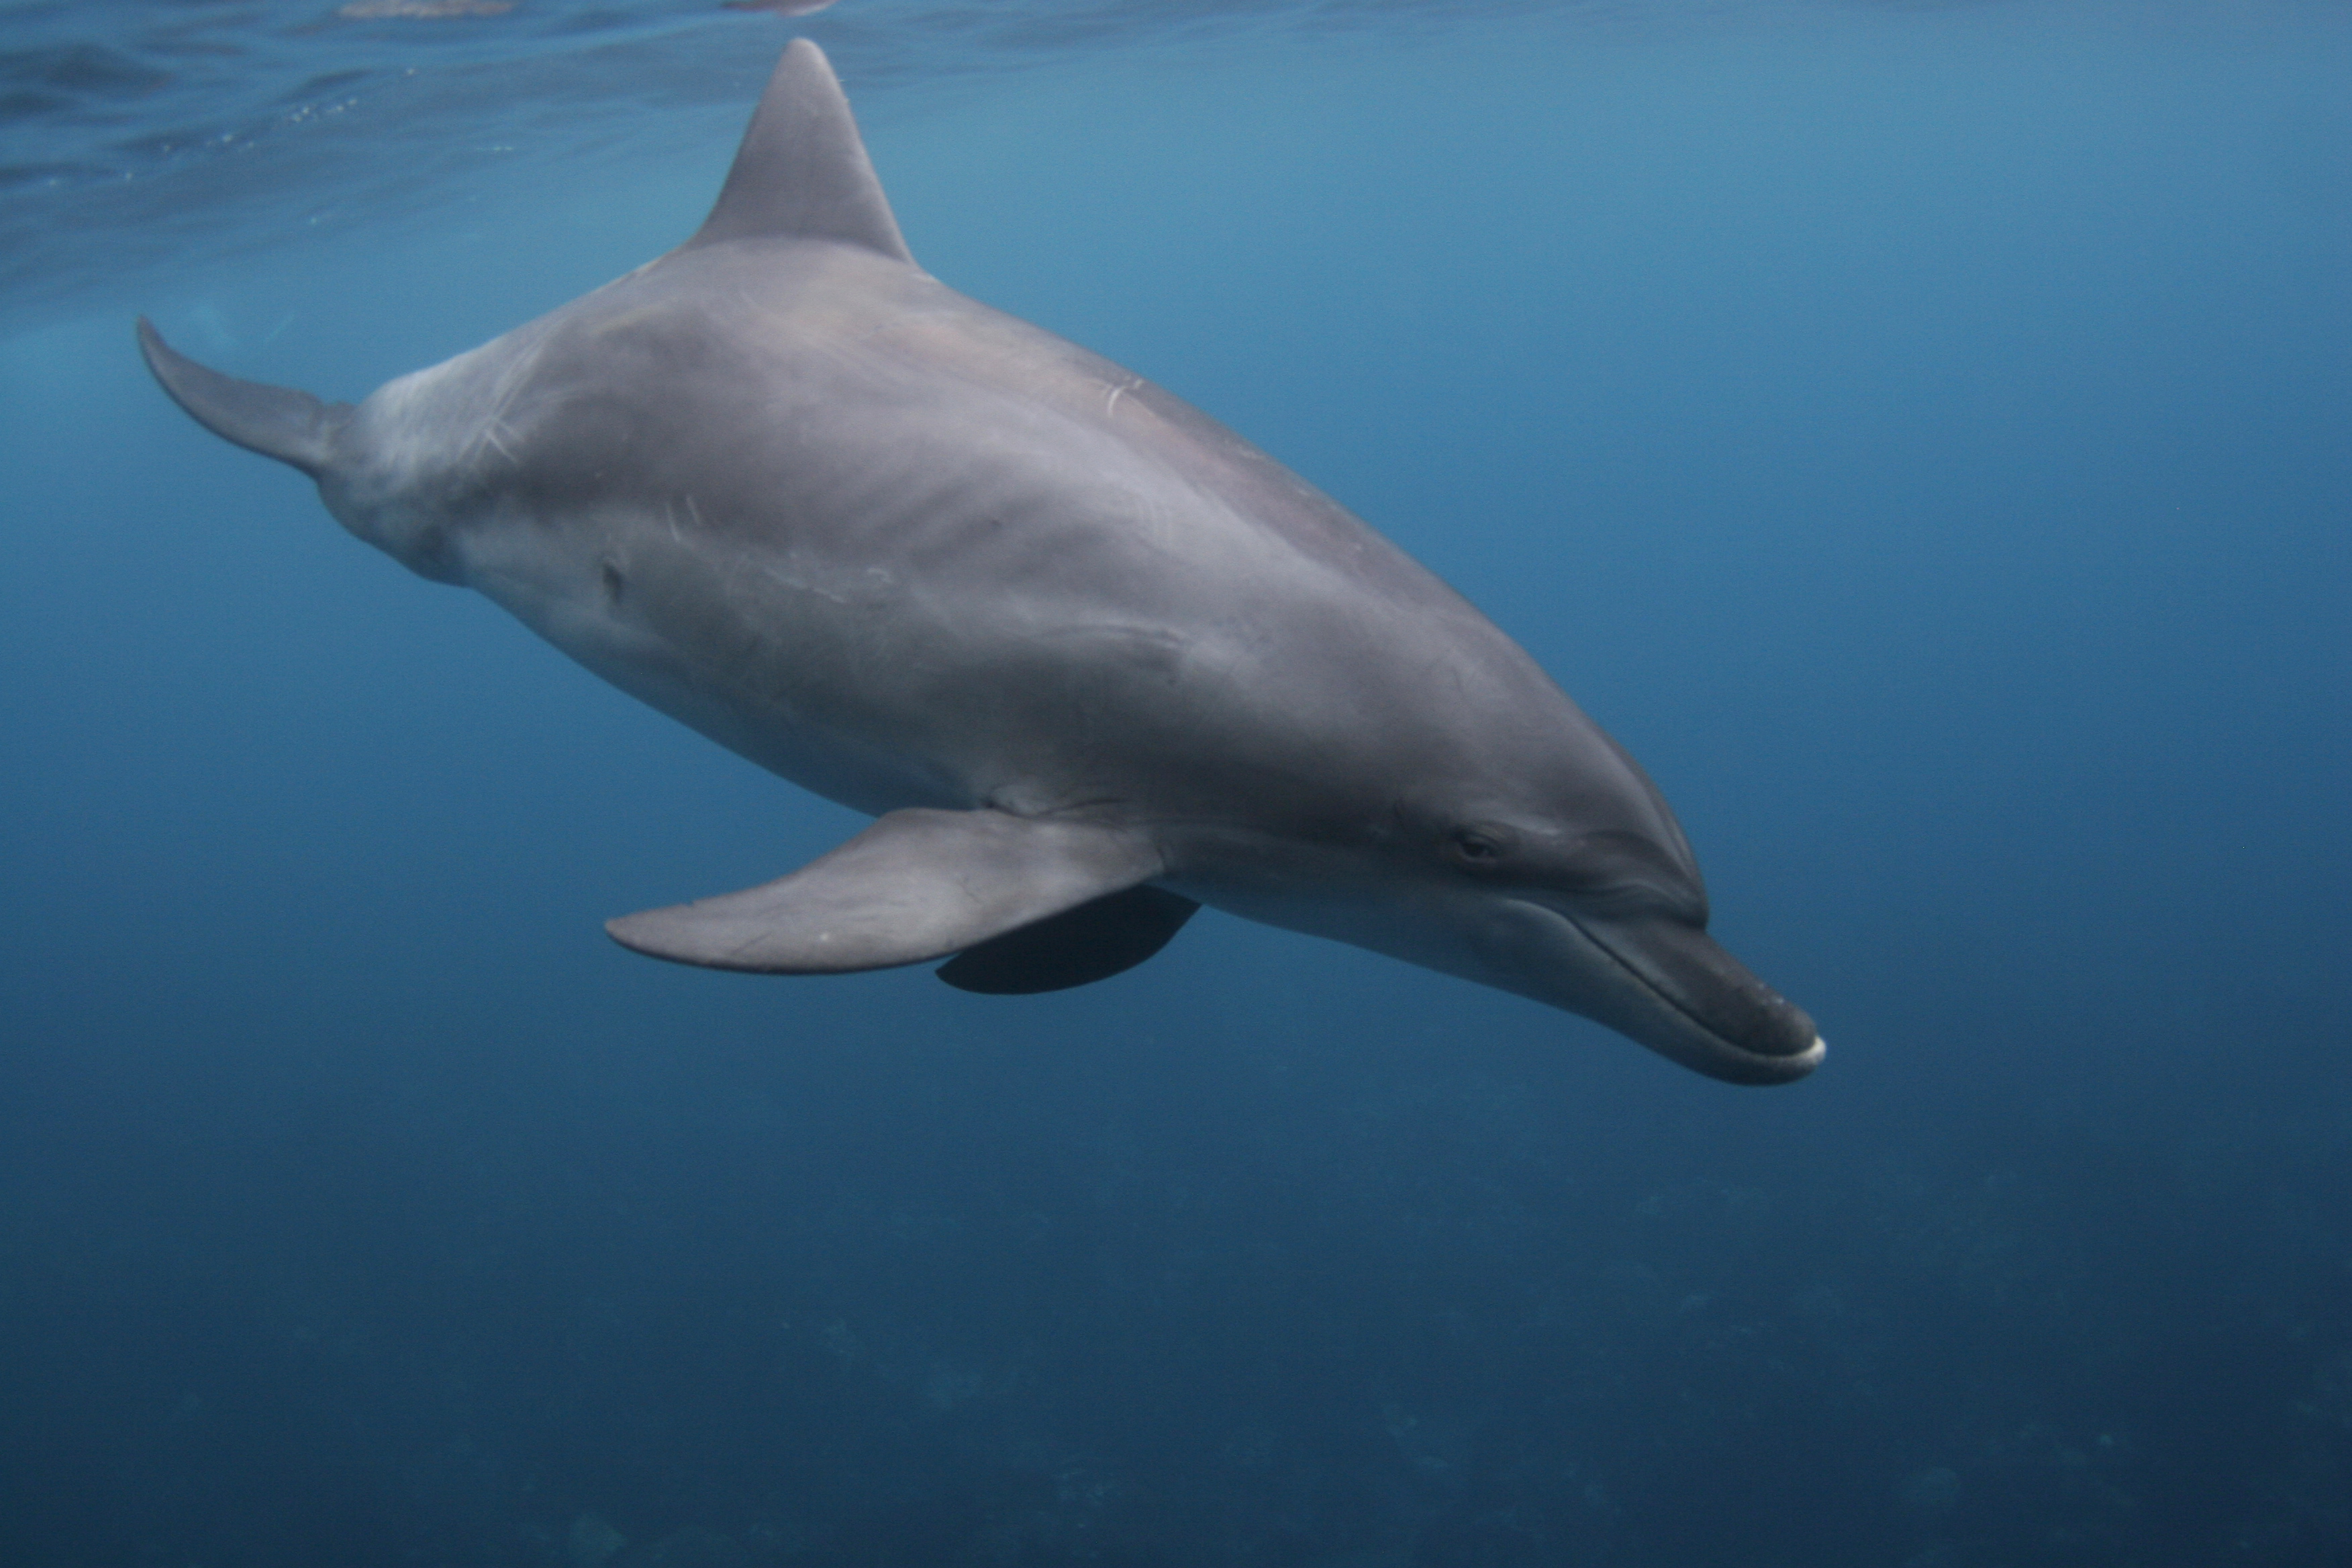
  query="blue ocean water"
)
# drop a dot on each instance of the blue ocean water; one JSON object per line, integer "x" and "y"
{"x": 1918, "y": 432}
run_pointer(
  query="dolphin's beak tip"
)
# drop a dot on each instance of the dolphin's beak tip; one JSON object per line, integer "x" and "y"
{"x": 1803, "y": 1064}
{"x": 1757, "y": 1068}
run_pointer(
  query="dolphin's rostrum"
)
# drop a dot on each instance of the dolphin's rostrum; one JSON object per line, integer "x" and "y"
{"x": 1091, "y": 659}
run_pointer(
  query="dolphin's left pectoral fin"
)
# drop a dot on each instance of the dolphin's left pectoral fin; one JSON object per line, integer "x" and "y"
{"x": 916, "y": 886}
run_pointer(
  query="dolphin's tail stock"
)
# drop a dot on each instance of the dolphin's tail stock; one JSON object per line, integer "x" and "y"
{"x": 275, "y": 421}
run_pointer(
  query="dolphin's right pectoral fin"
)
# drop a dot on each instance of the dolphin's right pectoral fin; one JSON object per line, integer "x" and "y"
{"x": 918, "y": 885}
{"x": 1098, "y": 939}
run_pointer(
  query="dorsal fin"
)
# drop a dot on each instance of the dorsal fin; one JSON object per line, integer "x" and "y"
{"x": 802, "y": 171}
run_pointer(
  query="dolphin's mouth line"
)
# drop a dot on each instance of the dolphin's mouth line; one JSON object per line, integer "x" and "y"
{"x": 1652, "y": 987}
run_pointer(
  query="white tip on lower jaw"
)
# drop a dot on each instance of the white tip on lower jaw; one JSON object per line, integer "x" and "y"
{"x": 1756, "y": 1069}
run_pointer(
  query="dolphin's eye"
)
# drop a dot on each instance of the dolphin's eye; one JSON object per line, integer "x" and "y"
{"x": 1474, "y": 848}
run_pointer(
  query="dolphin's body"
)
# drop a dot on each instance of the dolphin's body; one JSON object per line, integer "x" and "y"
{"x": 1090, "y": 658}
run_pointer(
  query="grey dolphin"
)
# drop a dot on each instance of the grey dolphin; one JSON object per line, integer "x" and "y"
{"x": 1090, "y": 658}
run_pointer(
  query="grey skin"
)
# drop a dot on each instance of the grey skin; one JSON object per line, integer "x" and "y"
{"x": 1091, "y": 659}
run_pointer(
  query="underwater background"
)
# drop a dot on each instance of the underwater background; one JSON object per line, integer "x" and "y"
{"x": 1921, "y": 433}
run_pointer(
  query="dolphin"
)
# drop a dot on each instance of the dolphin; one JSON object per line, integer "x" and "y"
{"x": 1090, "y": 659}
